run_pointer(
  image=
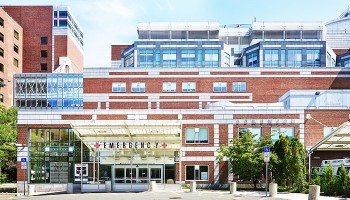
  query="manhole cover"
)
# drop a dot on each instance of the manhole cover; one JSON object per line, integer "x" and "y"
{"x": 175, "y": 198}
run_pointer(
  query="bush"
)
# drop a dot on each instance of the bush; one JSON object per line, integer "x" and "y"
{"x": 328, "y": 183}
{"x": 317, "y": 179}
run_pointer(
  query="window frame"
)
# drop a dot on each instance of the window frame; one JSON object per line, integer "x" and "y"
{"x": 166, "y": 85}
{"x": 2, "y": 23}
{"x": 43, "y": 52}
{"x": 2, "y": 37}
{"x": 2, "y": 52}
{"x": 197, "y": 135}
{"x": 42, "y": 40}
{"x": 239, "y": 85}
{"x": 189, "y": 90}
{"x": 15, "y": 48}
{"x": 284, "y": 134}
{"x": 257, "y": 137}
{"x": 121, "y": 84}
{"x": 220, "y": 86}
{"x": 2, "y": 67}
{"x": 15, "y": 34}
{"x": 41, "y": 66}
{"x": 15, "y": 62}
{"x": 199, "y": 172}
{"x": 140, "y": 87}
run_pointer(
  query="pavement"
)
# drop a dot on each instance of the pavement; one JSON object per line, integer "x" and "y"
{"x": 185, "y": 194}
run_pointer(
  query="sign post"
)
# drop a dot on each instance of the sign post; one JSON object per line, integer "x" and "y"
{"x": 24, "y": 166}
{"x": 266, "y": 160}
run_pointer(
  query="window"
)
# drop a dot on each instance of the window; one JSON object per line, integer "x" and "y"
{"x": 239, "y": 86}
{"x": 129, "y": 60}
{"x": 227, "y": 60}
{"x": 276, "y": 131}
{"x": 189, "y": 87}
{"x": 253, "y": 59}
{"x": 43, "y": 66}
{"x": 1, "y": 67}
{"x": 1, "y": 98}
{"x": 328, "y": 130}
{"x": 43, "y": 40}
{"x": 169, "y": 86}
{"x": 271, "y": 58}
{"x": 138, "y": 87}
{"x": 1, "y": 52}
{"x": 146, "y": 57}
{"x": 15, "y": 48}
{"x": 294, "y": 58}
{"x": 313, "y": 58}
{"x": 119, "y": 87}
{"x": 255, "y": 131}
{"x": 63, "y": 23}
{"x": 211, "y": 58}
{"x": 188, "y": 58}
{"x": 197, "y": 172}
{"x": 15, "y": 62}
{"x": 43, "y": 53}
{"x": 197, "y": 135}
{"x": 347, "y": 63}
{"x": 220, "y": 87}
{"x": 1, "y": 22}
{"x": 169, "y": 58}
{"x": 1, "y": 37}
{"x": 63, "y": 14}
{"x": 16, "y": 34}
{"x": 283, "y": 58}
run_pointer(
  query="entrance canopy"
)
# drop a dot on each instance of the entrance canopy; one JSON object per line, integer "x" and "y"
{"x": 135, "y": 135}
{"x": 338, "y": 140}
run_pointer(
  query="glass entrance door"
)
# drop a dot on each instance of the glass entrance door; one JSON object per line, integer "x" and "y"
{"x": 136, "y": 177}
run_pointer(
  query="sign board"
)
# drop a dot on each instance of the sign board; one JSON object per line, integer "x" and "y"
{"x": 23, "y": 160}
{"x": 266, "y": 154}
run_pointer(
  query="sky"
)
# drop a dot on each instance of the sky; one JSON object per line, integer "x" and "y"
{"x": 108, "y": 22}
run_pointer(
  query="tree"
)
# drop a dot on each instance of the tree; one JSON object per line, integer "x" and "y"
{"x": 316, "y": 179}
{"x": 290, "y": 170}
{"x": 8, "y": 137}
{"x": 328, "y": 180}
{"x": 342, "y": 181}
{"x": 245, "y": 155}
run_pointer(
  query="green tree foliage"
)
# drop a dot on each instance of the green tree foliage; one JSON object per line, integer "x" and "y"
{"x": 316, "y": 179}
{"x": 342, "y": 182}
{"x": 328, "y": 180}
{"x": 290, "y": 170}
{"x": 8, "y": 137}
{"x": 246, "y": 156}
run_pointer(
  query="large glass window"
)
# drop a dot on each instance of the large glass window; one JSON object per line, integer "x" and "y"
{"x": 146, "y": 57}
{"x": 129, "y": 60}
{"x": 294, "y": 58}
{"x": 197, "y": 172}
{"x": 283, "y": 58}
{"x": 276, "y": 131}
{"x": 211, "y": 58}
{"x": 138, "y": 87}
{"x": 119, "y": 87}
{"x": 239, "y": 86}
{"x": 313, "y": 58}
{"x": 200, "y": 58}
{"x": 255, "y": 131}
{"x": 253, "y": 59}
{"x": 197, "y": 135}
{"x": 188, "y": 58}
{"x": 169, "y": 86}
{"x": 271, "y": 57}
{"x": 219, "y": 87}
{"x": 169, "y": 58}
{"x": 346, "y": 63}
{"x": 189, "y": 87}
{"x": 328, "y": 130}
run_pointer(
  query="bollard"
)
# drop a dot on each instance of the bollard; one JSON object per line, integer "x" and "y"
{"x": 233, "y": 187}
{"x": 273, "y": 189}
{"x": 193, "y": 186}
{"x": 152, "y": 186}
{"x": 314, "y": 192}
{"x": 70, "y": 188}
{"x": 31, "y": 189}
{"x": 108, "y": 186}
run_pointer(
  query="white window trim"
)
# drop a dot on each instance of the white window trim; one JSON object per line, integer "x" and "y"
{"x": 119, "y": 84}
{"x": 189, "y": 83}
{"x": 167, "y": 85}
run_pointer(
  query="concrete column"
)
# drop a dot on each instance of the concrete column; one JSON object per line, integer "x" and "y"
{"x": 70, "y": 188}
{"x": 108, "y": 186}
{"x": 314, "y": 192}
{"x": 193, "y": 186}
{"x": 31, "y": 189}
{"x": 233, "y": 187}
{"x": 152, "y": 186}
{"x": 273, "y": 189}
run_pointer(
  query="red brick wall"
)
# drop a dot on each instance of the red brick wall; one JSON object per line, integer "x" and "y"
{"x": 223, "y": 172}
{"x": 60, "y": 48}
{"x": 203, "y": 116}
{"x": 112, "y": 117}
{"x": 116, "y": 51}
{"x": 36, "y": 22}
{"x": 331, "y": 118}
{"x": 162, "y": 117}
{"x": 76, "y": 55}
{"x": 76, "y": 117}
{"x": 223, "y": 134}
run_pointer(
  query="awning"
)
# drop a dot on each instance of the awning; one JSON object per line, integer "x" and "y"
{"x": 338, "y": 140}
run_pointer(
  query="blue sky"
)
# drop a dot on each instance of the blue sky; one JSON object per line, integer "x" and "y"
{"x": 107, "y": 22}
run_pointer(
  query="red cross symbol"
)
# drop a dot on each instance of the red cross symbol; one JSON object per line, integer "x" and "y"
{"x": 164, "y": 145}
{"x": 97, "y": 145}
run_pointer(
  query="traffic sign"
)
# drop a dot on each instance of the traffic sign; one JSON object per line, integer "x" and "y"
{"x": 23, "y": 160}
{"x": 266, "y": 149}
